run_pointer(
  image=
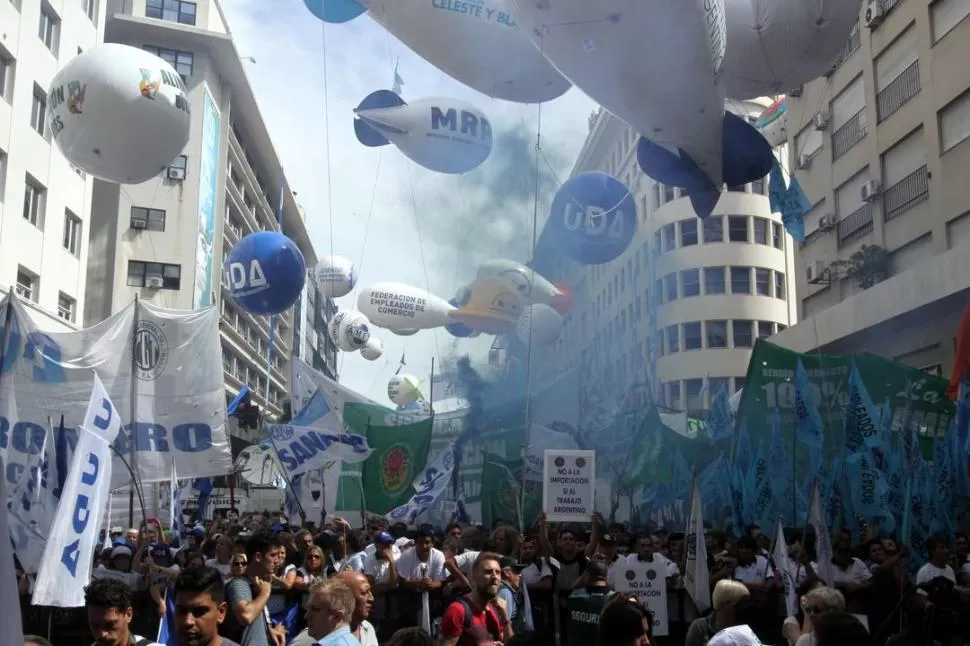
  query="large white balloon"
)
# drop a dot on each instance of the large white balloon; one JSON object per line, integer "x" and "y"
{"x": 532, "y": 285}
{"x": 477, "y": 43}
{"x": 119, "y": 113}
{"x": 775, "y": 46}
{"x": 400, "y": 307}
{"x": 443, "y": 135}
{"x": 546, "y": 324}
{"x": 335, "y": 276}
{"x": 373, "y": 349}
{"x": 349, "y": 330}
{"x": 403, "y": 389}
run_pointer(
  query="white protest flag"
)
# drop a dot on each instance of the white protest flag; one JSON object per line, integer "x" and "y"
{"x": 697, "y": 577}
{"x": 823, "y": 542}
{"x": 542, "y": 439}
{"x": 66, "y": 566}
{"x": 428, "y": 487}
{"x": 12, "y": 633}
{"x": 302, "y": 448}
{"x": 786, "y": 568}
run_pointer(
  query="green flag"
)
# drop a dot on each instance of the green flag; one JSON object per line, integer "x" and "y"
{"x": 400, "y": 452}
{"x": 501, "y": 491}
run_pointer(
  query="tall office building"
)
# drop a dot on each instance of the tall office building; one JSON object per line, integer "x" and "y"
{"x": 166, "y": 240}
{"x": 45, "y": 203}
{"x": 881, "y": 145}
{"x": 682, "y": 306}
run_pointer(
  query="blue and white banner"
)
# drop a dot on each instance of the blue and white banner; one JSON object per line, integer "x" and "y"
{"x": 66, "y": 566}
{"x": 13, "y": 631}
{"x": 301, "y": 448}
{"x": 428, "y": 487}
{"x": 162, "y": 369}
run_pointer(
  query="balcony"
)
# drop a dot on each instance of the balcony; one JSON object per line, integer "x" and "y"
{"x": 900, "y": 90}
{"x": 851, "y": 133}
{"x": 239, "y": 203}
{"x": 857, "y": 225}
{"x": 265, "y": 212}
{"x": 905, "y": 194}
{"x": 855, "y": 42}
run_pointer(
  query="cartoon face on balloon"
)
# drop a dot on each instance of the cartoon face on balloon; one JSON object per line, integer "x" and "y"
{"x": 594, "y": 217}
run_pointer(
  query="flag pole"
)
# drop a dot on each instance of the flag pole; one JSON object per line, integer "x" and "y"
{"x": 132, "y": 423}
{"x": 272, "y": 318}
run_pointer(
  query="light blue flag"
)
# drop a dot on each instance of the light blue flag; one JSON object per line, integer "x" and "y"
{"x": 777, "y": 188}
{"x": 793, "y": 210}
{"x": 808, "y": 422}
{"x": 718, "y": 423}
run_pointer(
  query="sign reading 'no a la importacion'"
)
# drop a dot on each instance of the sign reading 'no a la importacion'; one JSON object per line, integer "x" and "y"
{"x": 568, "y": 485}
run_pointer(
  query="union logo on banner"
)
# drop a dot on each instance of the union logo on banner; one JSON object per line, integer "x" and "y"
{"x": 396, "y": 465}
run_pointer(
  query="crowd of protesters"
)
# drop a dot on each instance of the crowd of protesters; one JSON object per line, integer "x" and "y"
{"x": 258, "y": 581}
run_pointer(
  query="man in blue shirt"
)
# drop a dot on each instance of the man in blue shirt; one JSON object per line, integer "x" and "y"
{"x": 329, "y": 610}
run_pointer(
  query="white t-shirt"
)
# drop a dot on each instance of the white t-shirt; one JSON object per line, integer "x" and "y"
{"x": 929, "y": 572}
{"x": 466, "y": 562}
{"x": 223, "y": 568}
{"x": 662, "y": 561}
{"x": 857, "y": 572}
{"x": 757, "y": 572}
{"x": 410, "y": 567}
{"x": 536, "y": 573}
{"x": 376, "y": 568}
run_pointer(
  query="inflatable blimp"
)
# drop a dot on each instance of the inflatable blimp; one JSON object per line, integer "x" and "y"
{"x": 776, "y": 46}
{"x": 656, "y": 65}
{"x": 110, "y": 96}
{"x": 335, "y": 276}
{"x": 531, "y": 285}
{"x": 773, "y": 123}
{"x": 493, "y": 306}
{"x": 477, "y": 43}
{"x": 443, "y": 135}
{"x": 403, "y": 309}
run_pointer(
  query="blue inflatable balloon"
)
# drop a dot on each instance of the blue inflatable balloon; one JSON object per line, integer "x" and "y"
{"x": 265, "y": 272}
{"x": 594, "y": 216}
{"x": 459, "y": 330}
{"x": 335, "y": 11}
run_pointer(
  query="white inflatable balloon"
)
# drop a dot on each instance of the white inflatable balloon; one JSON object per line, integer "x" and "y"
{"x": 779, "y": 45}
{"x": 403, "y": 389}
{"x": 773, "y": 123}
{"x": 399, "y": 307}
{"x": 349, "y": 330}
{"x": 531, "y": 285}
{"x": 443, "y": 135}
{"x": 119, "y": 113}
{"x": 546, "y": 324}
{"x": 477, "y": 43}
{"x": 373, "y": 349}
{"x": 335, "y": 276}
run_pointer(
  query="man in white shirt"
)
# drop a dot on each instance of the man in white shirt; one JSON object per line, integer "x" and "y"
{"x": 646, "y": 546}
{"x": 938, "y": 551}
{"x": 380, "y": 565}
{"x": 851, "y": 574}
{"x": 422, "y": 567}
{"x": 753, "y": 570}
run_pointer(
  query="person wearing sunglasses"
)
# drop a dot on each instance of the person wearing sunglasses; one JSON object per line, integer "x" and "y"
{"x": 816, "y": 603}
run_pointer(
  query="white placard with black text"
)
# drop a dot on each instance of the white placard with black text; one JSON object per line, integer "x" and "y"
{"x": 649, "y": 582}
{"x": 569, "y": 485}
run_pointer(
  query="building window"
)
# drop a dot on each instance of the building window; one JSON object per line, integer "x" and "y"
{"x": 72, "y": 233}
{"x": 694, "y": 389}
{"x": 673, "y": 388}
{"x": 670, "y": 237}
{"x": 657, "y": 188}
{"x": 762, "y": 281}
{"x": 669, "y": 194}
{"x": 3, "y": 174}
{"x": 738, "y": 228}
{"x": 147, "y": 219}
{"x": 155, "y": 275}
{"x": 6, "y": 75}
{"x": 183, "y": 62}
{"x": 693, "y": 340}
{"x": 742, "y": 333}
{"x": 717, "y": 336}
{"x": 758, "y": 186}
{"x": 26, "y": 285}
{"x": 90, "y": 8}
{"x": 714, "y": 280}
{"x": 34, "y": 195}
{"x": 776, "y": 236}
{"x": 688, "y": 232}
{"x": 171, "y": 10}
{"x": 713, "y": 229}
{"x": 764, "y": 329}
{"x": 691, "y": 280}
{"x": 740, "y": 280}
{"x": 780, "y": 292}
{"x": 49, "y": 27}
{"x": 761, "y": 230}
{"x": 947, "y": 14}
{"x": 38, "y": 111}
{"x": 673, "y": 339}
{"x": 66, "y": 307}
{"x": 954, "y": 121}
{"x": 670, "y": 288}
{"x": 182, "y": 163}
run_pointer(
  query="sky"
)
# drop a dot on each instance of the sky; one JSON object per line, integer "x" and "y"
{"x": 395, "y": 220}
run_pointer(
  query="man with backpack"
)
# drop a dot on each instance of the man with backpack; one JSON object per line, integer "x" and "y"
{"x": 585, "y": 604}
{"x": 480, "y": 617}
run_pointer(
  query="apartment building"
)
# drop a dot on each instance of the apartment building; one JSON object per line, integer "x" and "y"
{"x": 881, "y": 145}
{"x": 45, "y": 203}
